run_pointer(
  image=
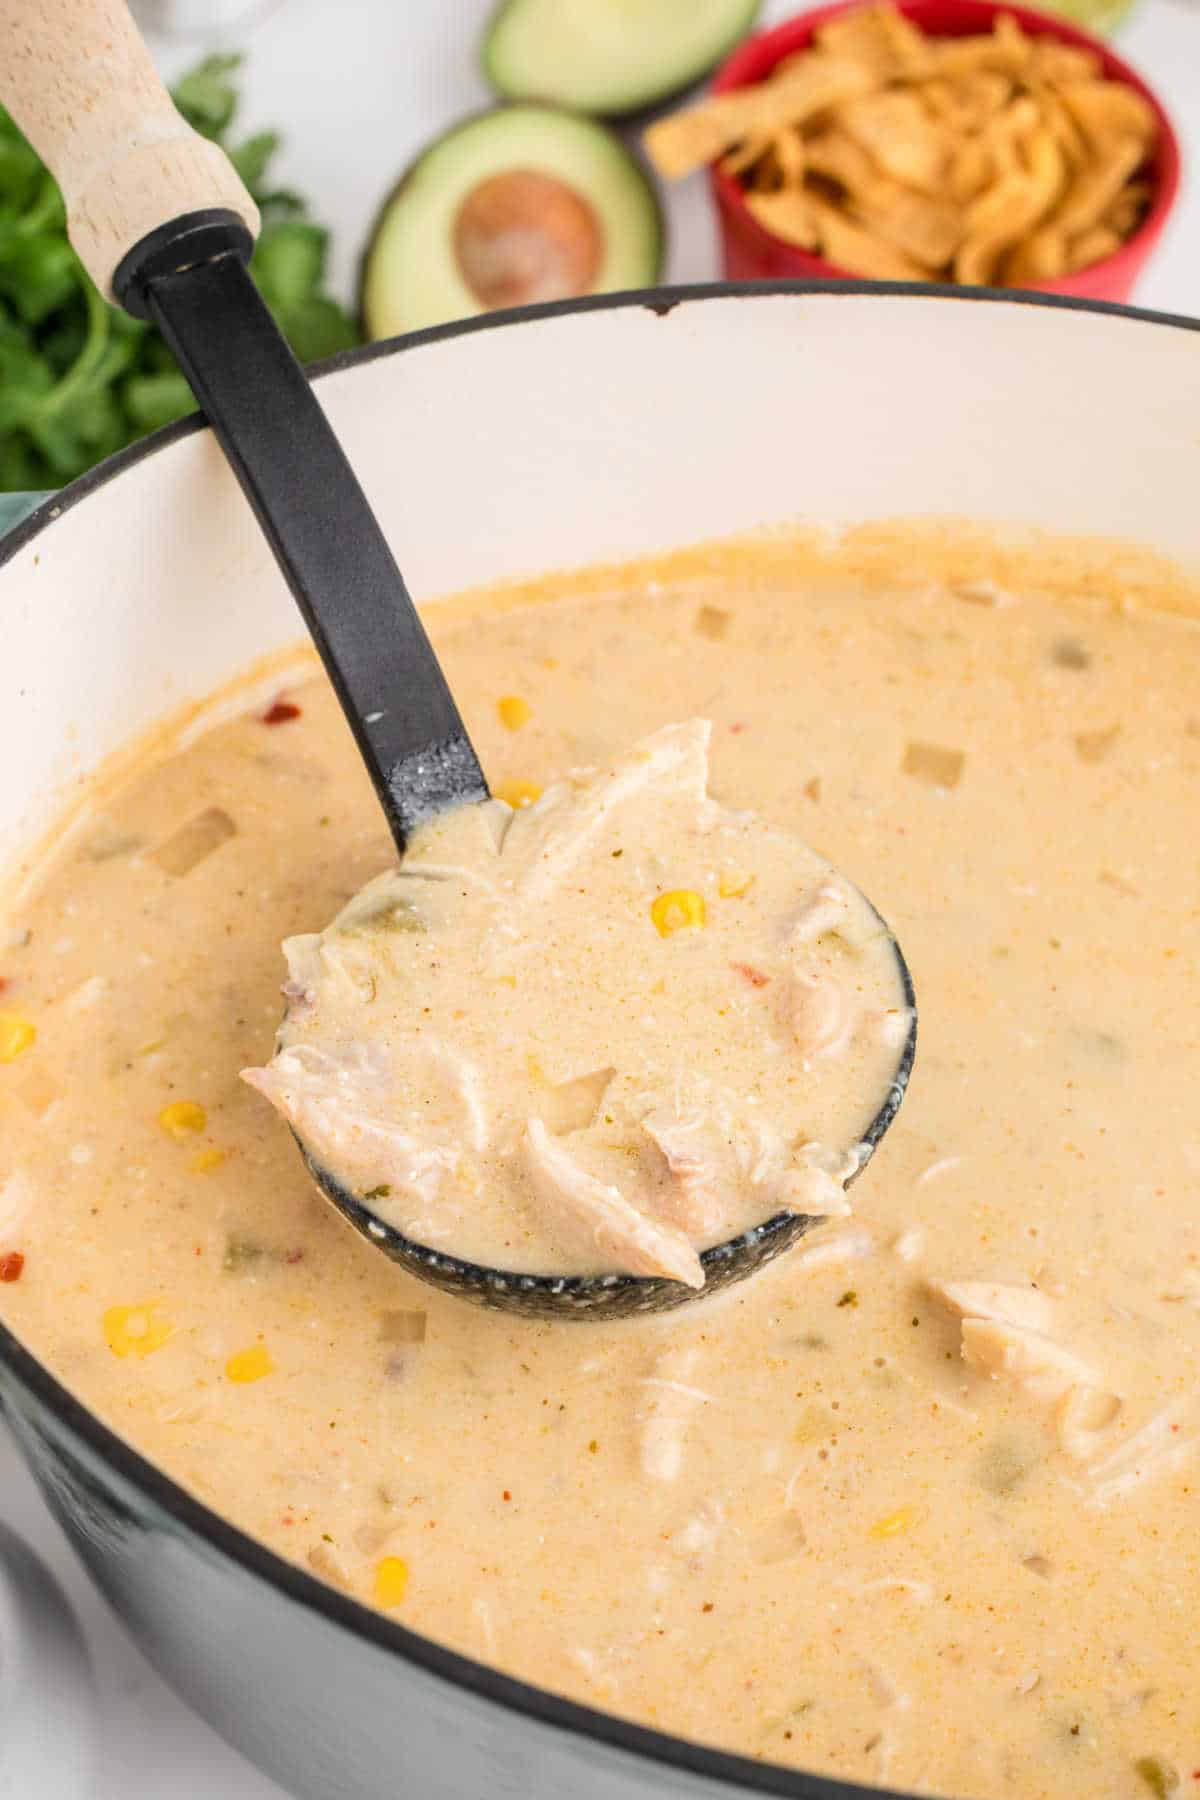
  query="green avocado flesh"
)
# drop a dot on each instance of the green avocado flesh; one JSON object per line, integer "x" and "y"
{"x": 608, "y": 56}
{"x": 514, "y": 206}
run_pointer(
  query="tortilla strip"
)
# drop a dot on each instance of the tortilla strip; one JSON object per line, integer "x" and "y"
{"x": 1003, "y": 215}
{"x": 788, "y": 214}
{"x": 1093, "y": 190}
{"x": 894, "y": 128}
{"x": 1041, "y": 257}
{"x": 1092, "y": 247}
{"x": 880, "y": 38}
{"x": 858, "y": 252}
{"x": 685, "y": 141}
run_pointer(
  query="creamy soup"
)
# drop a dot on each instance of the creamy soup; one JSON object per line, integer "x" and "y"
{"x": 530, "y": 1046}
{"x": 916, "y": 1505}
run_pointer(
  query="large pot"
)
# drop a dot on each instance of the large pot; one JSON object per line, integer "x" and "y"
{"x": 558, "y": 436}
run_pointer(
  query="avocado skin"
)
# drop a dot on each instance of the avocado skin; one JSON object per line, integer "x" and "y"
{"x": 396, "y": 191}
{"x": 643, "y": 111}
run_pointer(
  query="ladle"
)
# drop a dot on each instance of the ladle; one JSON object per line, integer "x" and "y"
{"x": 163, "y": 224}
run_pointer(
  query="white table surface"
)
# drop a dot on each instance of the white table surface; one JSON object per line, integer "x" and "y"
{"x": 359, "y": 86}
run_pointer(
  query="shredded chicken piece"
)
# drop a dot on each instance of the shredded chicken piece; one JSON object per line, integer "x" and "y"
{"x": 701, "y": 1531}
{"x": 694, "y": 1199}
{"x": 487, "y": 1630}
{"x": 663, "y": 1420}
{"x": 1161, "y": 1444}
{"x": 909, "y": 1244}
{"x": 999, "y": 1301}
{"x": 16, "y": 1202}
{"x": 821, "y": 1013}
{"x": 816, "y": 1182}
{"x": 677, "y": 754}
{"x": 611, "y": 1224}
{"x": 572, "y": 1105}
{"x": 1045, "y": 1369}
{"x": 822, "y": 910}
{"x": 1005, "y": 1331}
{"x": 326, "y": 1562}
{"x": 329, "y": 1107}
{"x": 1085, "y": 1420}
{"x": 839, "y": 1247}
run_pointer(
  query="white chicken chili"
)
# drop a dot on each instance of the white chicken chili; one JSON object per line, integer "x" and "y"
{"x": 917, "y": 1505}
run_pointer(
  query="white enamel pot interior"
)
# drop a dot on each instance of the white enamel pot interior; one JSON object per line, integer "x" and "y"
{"x": 548, "y": 439}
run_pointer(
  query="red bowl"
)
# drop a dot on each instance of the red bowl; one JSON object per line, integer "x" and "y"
{"x": 752, "y": 253}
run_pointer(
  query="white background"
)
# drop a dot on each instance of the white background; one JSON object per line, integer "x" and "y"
{"x": 358, "y": 86}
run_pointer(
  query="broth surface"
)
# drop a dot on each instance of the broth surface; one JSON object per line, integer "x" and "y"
{"x": 918, "y": 1504}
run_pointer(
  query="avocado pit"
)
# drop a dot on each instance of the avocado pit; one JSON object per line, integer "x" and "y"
{"x": 522, "y": 237}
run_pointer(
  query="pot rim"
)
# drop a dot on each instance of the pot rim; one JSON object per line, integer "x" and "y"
{"x": 170, "y": 1497}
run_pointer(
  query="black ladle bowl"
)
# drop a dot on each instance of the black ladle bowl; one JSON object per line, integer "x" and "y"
{"x": 591, "y": 1297}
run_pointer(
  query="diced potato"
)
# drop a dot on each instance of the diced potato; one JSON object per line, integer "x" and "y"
{"x": 934, "y": 764}
{"x": 402, "y": 1326}
{"x": 199, "y": 837}
{"x": 1094, "y": 746}
{"x": 712, "y": 622}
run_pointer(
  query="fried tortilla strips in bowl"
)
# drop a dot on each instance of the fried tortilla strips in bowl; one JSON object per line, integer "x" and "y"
{"x": 931, "y": 140}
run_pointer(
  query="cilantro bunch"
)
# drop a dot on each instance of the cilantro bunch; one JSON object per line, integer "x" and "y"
{"x": 79, "y": 378}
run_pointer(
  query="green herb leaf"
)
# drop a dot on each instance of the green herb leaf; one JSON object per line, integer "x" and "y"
{"x": 80, "y": 379}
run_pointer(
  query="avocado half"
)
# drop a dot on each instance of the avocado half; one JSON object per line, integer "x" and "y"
{"x": 512, "y": 206}
{"x": 609, "y": 57}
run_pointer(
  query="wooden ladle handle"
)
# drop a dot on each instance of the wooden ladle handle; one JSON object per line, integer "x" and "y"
{"x": 80, "y": 83}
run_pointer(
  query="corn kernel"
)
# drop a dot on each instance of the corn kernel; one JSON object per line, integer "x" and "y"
{"x": 16, "y": 1035}
{"x": 893, "y": 1523}
{"x": 250, "y": 1365}
{"x": 734, "y": 883}
{"x": 205, "y": 1161}
{"x": 391, "y": 1581}
{"x": 680, "y": 910}
{"x": 182, "y": 1119}
{"x": 137, "y": 1330}
{"x": 518, "y": 793}
{"x": 514, "y": 712}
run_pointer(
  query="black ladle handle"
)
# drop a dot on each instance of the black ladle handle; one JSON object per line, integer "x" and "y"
{"x": 163, "y": 224}
{"x": 313, "y": 513}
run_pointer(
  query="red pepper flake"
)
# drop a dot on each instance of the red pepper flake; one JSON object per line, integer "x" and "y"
{"x": 11, "y": 1266}
{"x": 506, "y": 1495}
{"x": 281, "y": 712}
{"x": 294, "y": 1256}
{"x": 738, "y": 726}
{"x": 3, "y": 983}
{"x": 754, "y": 976}
{"x": 707, "y": 1607}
